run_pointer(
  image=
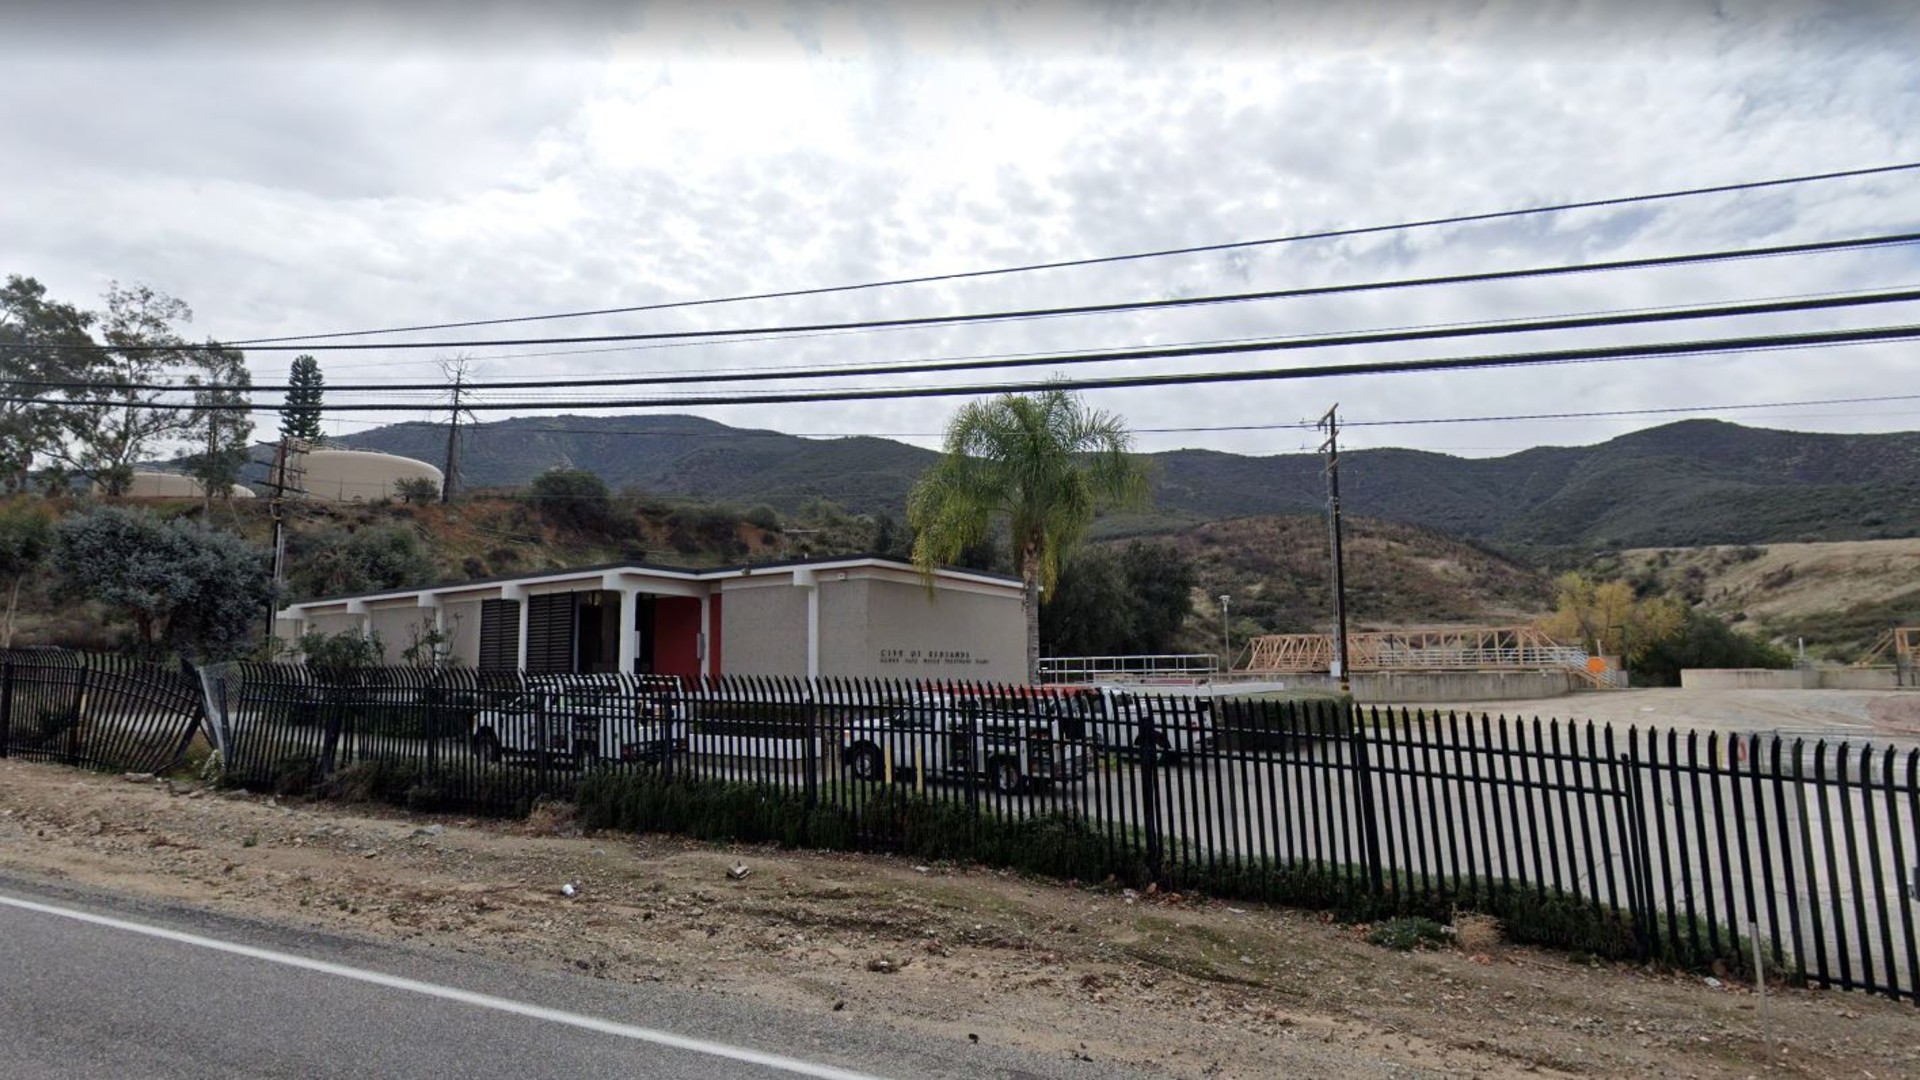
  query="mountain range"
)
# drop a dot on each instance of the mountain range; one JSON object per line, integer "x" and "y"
{"x": 1682, "y": 484}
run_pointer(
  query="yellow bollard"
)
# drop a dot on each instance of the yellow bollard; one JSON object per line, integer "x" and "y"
{"x": 919, "y": 772}
{"x": 886, "y": 761}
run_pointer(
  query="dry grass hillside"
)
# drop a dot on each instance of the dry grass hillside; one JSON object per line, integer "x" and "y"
{"x": 1838, "y": 596}
{"x": 1277, "y": 569}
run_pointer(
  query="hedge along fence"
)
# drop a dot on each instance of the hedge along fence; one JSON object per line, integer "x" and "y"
{"x": 1070, "y": 848}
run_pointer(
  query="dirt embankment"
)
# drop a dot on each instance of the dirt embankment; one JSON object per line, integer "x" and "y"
{"x": 1175, "y": 985}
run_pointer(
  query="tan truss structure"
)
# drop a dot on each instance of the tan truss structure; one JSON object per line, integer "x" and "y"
{"x": 1902, "y": 641}
{"x": 1504, "y": 648}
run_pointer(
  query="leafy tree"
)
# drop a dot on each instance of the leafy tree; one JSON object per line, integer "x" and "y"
{"x": 1091, "y": 610}
{"x": 1705, "y": 641}
{"x": 1042, "y": 462}
{"x": 121, "y": 422}
{"x": 41, "y": 341}
{"x": 1607, "y": 619}
{"x": 332, "y": 562}
{"x": 573, "y": 499}
{"x": 26, "y": 539}
{"x": 300, "y": 416}
{"x": 1119, "y": 601}
{"x": 185, "y": 588}
{"x": 416, "y": 490}
{"x": 889, "y": 540}
{"x": 1160, "y": 582}
{"x": 221, "y": 431}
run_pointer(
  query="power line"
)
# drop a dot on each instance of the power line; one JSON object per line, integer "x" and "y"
{"x": 1649, "y": 262}
{"x": 1329, "y": 234}
{"x": 1314, "y": 341}
{"x": 1597, "y": 354}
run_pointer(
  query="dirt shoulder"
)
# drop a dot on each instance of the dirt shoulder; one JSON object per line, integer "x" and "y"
{"x": 1174, "y": 985}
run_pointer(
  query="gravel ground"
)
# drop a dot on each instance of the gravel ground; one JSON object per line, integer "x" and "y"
{"x": 1173, "y": 985}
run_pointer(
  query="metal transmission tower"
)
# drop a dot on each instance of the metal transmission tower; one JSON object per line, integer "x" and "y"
{"x": 1330, "y": 423}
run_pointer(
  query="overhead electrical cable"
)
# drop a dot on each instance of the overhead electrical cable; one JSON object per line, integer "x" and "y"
{"x": 1202, "y": 249}
{"x": 1314, "y": 341}
{"x": 1596, "y": 354}
{"x": 1649, "y": 262}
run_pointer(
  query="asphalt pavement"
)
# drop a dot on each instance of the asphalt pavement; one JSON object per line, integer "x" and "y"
{"x": 98, "y": 986}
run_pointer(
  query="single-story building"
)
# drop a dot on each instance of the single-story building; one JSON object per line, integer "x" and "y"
{"x": 837, "y": 616}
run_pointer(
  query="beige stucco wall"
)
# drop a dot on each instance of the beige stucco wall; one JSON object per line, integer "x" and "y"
{"x": 908, "y": 634}
{"x": 763, "y": 628}
{"x": 463, "y": 627}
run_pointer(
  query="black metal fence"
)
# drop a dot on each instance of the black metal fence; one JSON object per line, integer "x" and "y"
{"x": 1792, "y": 855}
{"x": 104, "y": 712}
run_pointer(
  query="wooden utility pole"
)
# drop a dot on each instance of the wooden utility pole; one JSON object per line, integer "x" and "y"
{"x": 1331, "y": 424}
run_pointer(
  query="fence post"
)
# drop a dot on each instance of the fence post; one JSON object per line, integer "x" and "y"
{"x": 1149, "y": 743}
{"x": 1363, "y": 794}
{"x": 79, "y": 710}
{"x": 1637, "y": 857}
{"x": 6, "y": 705}
{"x": 810, "y": 746}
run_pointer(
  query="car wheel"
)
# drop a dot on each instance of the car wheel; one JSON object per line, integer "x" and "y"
{"x": 864, "y": 763}
{"x": 1005, "y": 773}
{"x": 486, "y": 746}
{"x": 1162, "y": 752}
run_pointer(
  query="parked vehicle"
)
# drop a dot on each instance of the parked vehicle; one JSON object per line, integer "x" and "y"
{"x": 1010, "y": 746}
{"x": 1115, "y": 716}
{"x": 586, "y": 719}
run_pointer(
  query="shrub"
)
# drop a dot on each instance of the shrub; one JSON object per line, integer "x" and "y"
{"x": 1406, "y": 934}
{"x": 416, "y": 490}
{"x": 574, "y": 499}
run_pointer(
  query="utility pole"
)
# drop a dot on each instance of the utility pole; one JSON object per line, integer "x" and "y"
{"x": 453, "y": 439}
{"x": 277, "y": 482}
{"x": 1331, "y": 424}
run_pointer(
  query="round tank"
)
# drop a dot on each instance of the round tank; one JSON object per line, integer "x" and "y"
{"x": 357, "y": 475}
{"x": 166, "y": 485}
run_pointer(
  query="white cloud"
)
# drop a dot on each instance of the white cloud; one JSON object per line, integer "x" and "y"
{"x": 354, "y": 169}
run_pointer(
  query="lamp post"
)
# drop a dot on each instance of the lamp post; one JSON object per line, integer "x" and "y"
{"x": 1226, "y": 633}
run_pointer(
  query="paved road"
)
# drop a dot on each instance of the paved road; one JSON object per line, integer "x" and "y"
{"x": 93, "y": 987}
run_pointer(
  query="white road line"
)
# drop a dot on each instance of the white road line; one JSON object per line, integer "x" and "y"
{"x": 448, "y": 993}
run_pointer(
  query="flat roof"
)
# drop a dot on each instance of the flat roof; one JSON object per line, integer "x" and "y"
{"x": 679, "y": 573}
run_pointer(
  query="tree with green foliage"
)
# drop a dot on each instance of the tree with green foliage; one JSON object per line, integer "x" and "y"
{"x": 1705, "y": 641}
{"x": 186, "y": 589}
{"x": 221, "y": 429}
{"x": 573, "y": 499}
{"x": 1127, "y": 601}
{"x": 1045, "y": 464}
{"x": 300, "y": 416}
{"x": 335, "y": 562}
{"x": 26, "y": 539}
{"x": 120, "y": 423}
{"x": 41, "y": 341}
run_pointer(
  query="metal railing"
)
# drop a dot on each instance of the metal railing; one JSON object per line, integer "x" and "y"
{"x": 1085, "y": 669}
{"x": 1688, "y": 847}
{"x": 106, "y": 712}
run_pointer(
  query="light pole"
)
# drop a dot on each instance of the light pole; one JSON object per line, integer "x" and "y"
{"x": 1226, "y": 633}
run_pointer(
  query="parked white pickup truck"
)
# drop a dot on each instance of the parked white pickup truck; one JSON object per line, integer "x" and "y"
{"x": 1010, "y": 747}
{"x": 585, "y": 719}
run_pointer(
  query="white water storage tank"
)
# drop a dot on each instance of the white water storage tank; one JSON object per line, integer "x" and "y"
{"x": 165, "y": 485}
{"x": 356, "y": 475}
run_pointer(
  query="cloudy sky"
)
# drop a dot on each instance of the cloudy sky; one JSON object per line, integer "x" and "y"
{"x": 296, "y": 174}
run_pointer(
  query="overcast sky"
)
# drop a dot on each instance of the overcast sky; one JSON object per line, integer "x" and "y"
{"x": 347, "y": 169}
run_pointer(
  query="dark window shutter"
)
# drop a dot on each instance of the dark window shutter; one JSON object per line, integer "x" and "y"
{"x": 499, "y": 633}
{"x": 550, "y": 630}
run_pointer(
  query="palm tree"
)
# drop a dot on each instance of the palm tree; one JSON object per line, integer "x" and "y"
{"x": 1044, "y": 462}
